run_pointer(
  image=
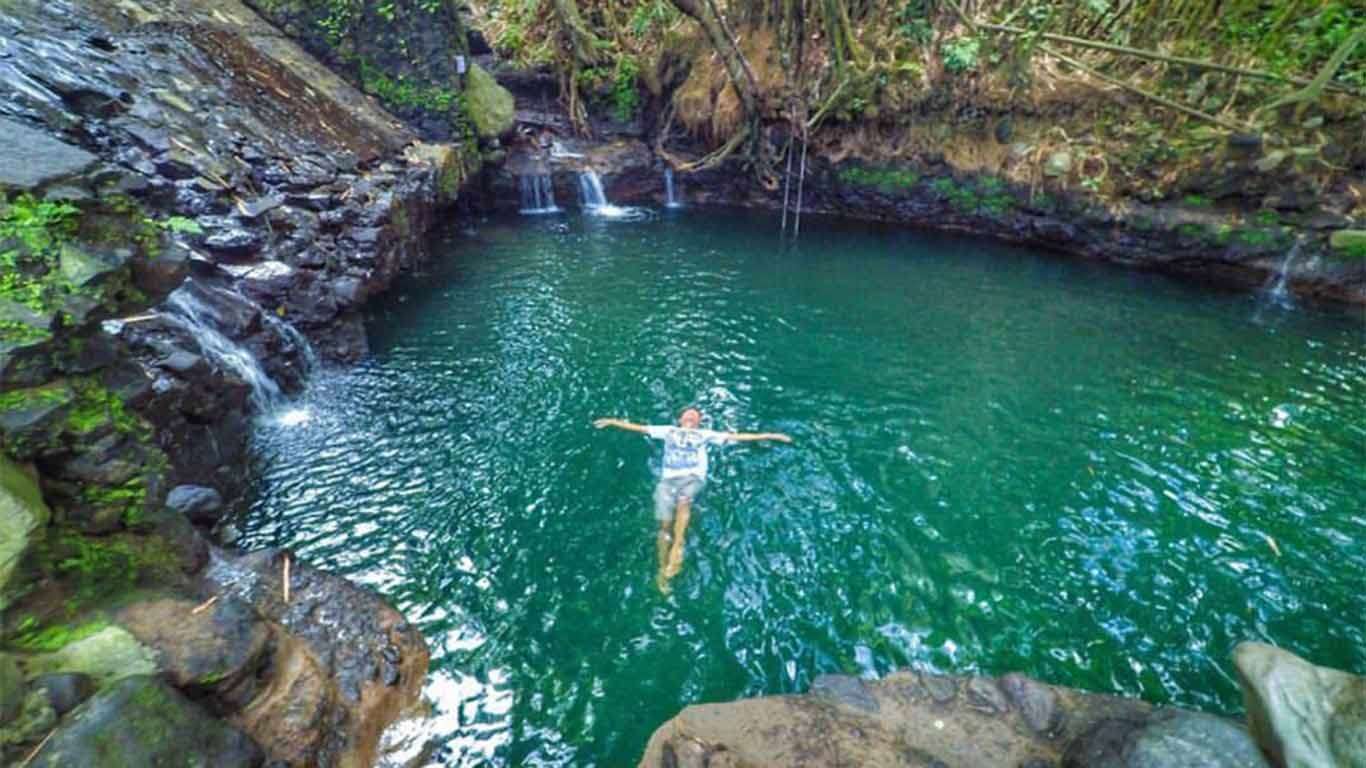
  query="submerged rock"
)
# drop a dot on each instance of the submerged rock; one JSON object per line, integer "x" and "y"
{"x": 1304, "y": 716}
{"x": 140, "y": 721}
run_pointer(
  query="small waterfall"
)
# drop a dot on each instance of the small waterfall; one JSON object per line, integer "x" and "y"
{"x": 1277, "y": 290}
{"x": 538, "y": 194}
{"x": 284, "y": 329}
{"x": 590, "y": 191}
{"x": 670, "y": 196}
{"x": 594, "y": 200}
{"x": 201, "y": 321}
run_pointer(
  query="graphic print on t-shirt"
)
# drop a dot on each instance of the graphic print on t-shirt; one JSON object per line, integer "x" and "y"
{"x": 685, "y": 450}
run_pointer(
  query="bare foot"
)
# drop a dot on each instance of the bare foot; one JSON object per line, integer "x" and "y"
{"x": 662, "y": 581}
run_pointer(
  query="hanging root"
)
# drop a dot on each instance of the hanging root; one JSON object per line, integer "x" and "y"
{"x": 712, "y": 160}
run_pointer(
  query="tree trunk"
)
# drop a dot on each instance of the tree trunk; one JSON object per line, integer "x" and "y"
{"x": 582, "y": 41}
{"x": 725, "y": 46}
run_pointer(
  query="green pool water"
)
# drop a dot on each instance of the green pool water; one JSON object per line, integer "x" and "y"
{"x": 1003, "y": 460}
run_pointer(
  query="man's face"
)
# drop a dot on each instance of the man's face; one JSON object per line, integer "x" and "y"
{"x": 690, "y": 418}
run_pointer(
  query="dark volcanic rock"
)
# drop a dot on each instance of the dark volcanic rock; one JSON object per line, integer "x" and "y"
{"x": 30, "y": 158}
{"x": 65, "y": 690}
{"x": 140, "y": 721}
{"x": 218, "y": 648}
{"x": 197, "y": 503}
{"x": 350, "y": 660}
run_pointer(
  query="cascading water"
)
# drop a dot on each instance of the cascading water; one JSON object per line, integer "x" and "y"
{"x": 590, "y": 190}
{"x": 538, "y": 194}
{"x": 594, "y": 200}
{"x": 670, "y": 195}
{"x": 1277, "y": 290}
{"x": 201, "y": 321}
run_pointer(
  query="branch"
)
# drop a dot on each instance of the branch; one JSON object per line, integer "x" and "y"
{"x": 1314, "y": 89}
{"x": 1145, "y": 94}
{"x": 1156, "y": 56}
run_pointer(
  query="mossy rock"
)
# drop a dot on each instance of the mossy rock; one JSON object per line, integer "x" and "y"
{"x": 23, "y": 516}
{"x": 1349, "y": 242}
{"x": 490, "y": 105}
{"x": 108, "y": 655}
{"x": 141, "y": 721}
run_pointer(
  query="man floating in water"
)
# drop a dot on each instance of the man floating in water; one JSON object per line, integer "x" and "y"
{"x": 684, "y": 475}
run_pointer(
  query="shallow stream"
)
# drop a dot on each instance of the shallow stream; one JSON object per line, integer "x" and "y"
{"x": 1003, "y": 460}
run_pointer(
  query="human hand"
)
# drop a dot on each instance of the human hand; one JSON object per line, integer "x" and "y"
{"x": 600, "y": 423}
{"x": 780, "y": 437}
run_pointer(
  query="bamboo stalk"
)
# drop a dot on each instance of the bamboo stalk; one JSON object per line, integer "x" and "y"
{"x": 1156, "y": 56}
{"x": 1145, "y": 94}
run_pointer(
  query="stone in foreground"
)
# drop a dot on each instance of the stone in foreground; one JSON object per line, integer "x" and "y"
{"x": 31, "y": 159}
{"x": 140, "y": 721}
{"x": 1304, "y": 716}
{"x": 911, "y": 719}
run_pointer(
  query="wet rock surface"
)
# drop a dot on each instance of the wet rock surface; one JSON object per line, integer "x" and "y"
{"x": 214, "y": 263}
{"x": 345, "y": 665}
{"x": 913, "y": 719}
{"x": 1299, "y": 713}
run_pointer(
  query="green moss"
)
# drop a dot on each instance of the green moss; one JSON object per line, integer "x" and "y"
{"x": 1258, "y": 237}
{"x": 25, "y": 399}
{"x": 96, "y": 406}
{"x": 1191, "y": 230}
{"x": 1198, "y": 201}
{"x": 53, "y": 637}
{"x": 131, "y": 497}
{"x": 489, "y": 105}
{"x": 885, "y": 180}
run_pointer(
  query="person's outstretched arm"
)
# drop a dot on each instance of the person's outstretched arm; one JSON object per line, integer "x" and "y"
{"x": 621, "y": 424}
{"x": 751, "y": 437}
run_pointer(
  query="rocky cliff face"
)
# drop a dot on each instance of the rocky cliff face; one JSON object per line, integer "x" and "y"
{"x": 195, "y": 209}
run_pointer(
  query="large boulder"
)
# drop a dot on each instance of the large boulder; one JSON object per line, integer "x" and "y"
{"x": 344, "y": 664}
{"x": 905, "y": 719}
{"x": 490, "y": 105}
{"x": 140, "y": 721}
{"x": 1304, "y": 716}
{"x": 213, "y": 648}
{"x": 23, "y": 515}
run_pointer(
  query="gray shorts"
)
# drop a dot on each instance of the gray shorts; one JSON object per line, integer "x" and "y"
{"x": 672, "y": 490}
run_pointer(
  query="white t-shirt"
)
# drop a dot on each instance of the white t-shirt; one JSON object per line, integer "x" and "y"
{"x": 685, "y": 450}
